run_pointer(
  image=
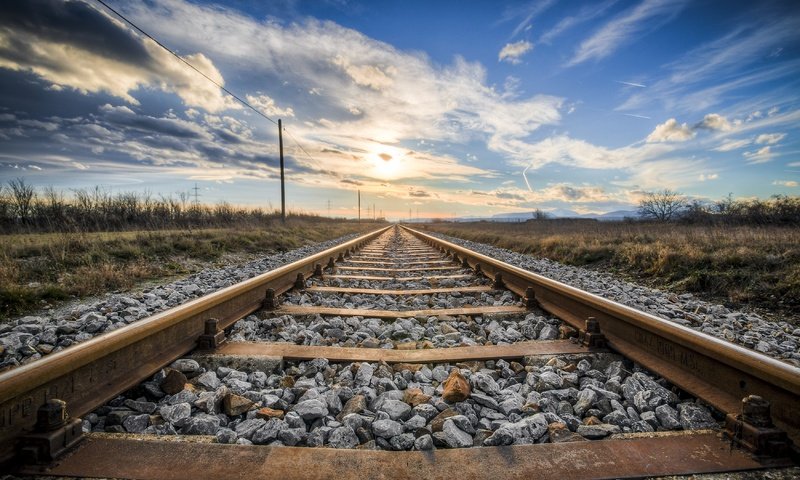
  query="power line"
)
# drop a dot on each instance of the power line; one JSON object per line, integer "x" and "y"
{"x": 246, "y": 104}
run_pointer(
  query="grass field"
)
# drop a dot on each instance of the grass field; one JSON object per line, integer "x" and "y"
{"x": 741, "y": 265}
{"x": 36, "y": 269}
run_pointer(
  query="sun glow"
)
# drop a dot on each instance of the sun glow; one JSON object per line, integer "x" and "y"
{"x": 389, "y": 163}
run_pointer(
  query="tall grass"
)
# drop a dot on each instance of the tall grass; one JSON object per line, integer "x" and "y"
{"x": 758, "y": 265}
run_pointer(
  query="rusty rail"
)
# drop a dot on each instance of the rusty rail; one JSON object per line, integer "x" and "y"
{"x": 88, "y": 374}
{"x": 719, "y": 372}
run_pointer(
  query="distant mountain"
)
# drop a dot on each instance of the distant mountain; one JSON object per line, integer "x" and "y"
{"x": 562, "y": 213}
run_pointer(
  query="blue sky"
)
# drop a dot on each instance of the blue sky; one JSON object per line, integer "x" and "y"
{"x": 446, "y": 108}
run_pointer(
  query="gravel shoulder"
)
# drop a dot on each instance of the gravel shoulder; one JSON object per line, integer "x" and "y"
{"x": 778, "y": 339}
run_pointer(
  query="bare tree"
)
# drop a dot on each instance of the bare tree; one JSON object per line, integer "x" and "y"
{"x": 663, "y": 205}
{"x": 23, "y": 196}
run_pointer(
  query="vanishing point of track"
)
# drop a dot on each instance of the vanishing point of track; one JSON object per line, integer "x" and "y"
{"x": 37, "y": 435}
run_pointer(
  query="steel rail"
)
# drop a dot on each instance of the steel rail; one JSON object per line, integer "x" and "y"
{"x": 719, "y": 372}
{"x": 91, "y": 373}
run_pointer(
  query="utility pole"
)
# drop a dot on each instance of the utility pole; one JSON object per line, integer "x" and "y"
{"x": 196, "y": 196}
{"x": 283, "y": 189}
{"x": 374, "y": 217}
{"x": 329, "y": 208}
{"x": 359, "y": 206}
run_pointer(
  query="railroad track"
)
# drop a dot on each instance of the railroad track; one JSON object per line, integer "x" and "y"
{"x": 397, "y": 340}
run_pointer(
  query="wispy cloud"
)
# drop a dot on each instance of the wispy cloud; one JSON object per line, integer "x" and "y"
{"x": 527, "y": 12}
{"x": 703, "y": 76}
{"x": 786, "y": 183}
{"x": 631, "y": 84}
{"x": 646, "y": 16}
{"x": 512, "y": 52}
{"x": 585, "y": 14}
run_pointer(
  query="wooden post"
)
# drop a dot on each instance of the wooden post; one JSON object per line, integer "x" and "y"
{"x": 283, "y": 189}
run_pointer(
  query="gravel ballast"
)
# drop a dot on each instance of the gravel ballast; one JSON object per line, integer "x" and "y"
{"x": 776, "y": 339}
{"x": 31, "y": 337}
{"x": 404, "y": 407}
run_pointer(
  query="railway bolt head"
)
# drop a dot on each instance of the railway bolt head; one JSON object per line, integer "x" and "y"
{"x": 756, "y": 411}
{"x": 52, "y": 415}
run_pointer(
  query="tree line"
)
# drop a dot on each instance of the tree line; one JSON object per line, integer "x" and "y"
{"x": 668, "y": 205}
{"x": 24, "y": 209}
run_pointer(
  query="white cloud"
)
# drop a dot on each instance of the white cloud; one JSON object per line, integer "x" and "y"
{"x": 621, "y": 29}
{"x": 93, "y": 63}
{"x": 729, "y": 145}
{"x": 268, "y": 107}
{"x": 512, "y": 52}
{"x": 706, "y": 177}
{"x": 586, "y": 13}
{"x": 715, "y": 121}
{"x": 786, "y": 183}
{"x": 770, "y": 138}
{"x": 762, "y": 155}
{"x": 670, "y": 131}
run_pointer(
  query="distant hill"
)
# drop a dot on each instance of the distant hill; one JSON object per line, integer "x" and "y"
{"x": 565, "y": 213}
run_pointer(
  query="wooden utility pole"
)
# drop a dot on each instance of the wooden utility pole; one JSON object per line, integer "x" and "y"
{"x": 359, "y": 206}
{"x": 283, "y": 189}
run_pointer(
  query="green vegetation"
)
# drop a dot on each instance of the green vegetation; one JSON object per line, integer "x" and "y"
{"x": 752, "y": 265}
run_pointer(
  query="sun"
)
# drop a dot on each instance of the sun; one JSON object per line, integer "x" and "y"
{"x": 388, "y": 162}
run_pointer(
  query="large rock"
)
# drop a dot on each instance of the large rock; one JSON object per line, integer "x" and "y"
{"x": 414, "y": 397}
{"x": 454, "y": 437}
{"x": 343, "y": 437}
{"x": 386, "y": 428}
{"x": 396, "y": 409}
{"x": 438, "y": 421}
{"x": 235, "y": 405}
{"x": 202, "y": 424}
{"x": 173, "y": 382}
{"x": 310, "y": 410}
{"x": 695, "y": 417}
{"x": 173, "y": 413}
{"x": 356, "y": 404}
{"x": 456, "y": 387}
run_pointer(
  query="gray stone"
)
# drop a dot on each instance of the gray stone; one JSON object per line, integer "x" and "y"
{"x": 396, "y": 409}
{"x": 208, "y": 380}
{"x": 364, "y": 374}
{"x": 485, "y": 400}
{"x": 386, "y": 428}
{"x": 401, "y": 442}
{"x": 202, "y": 424}
{"x": 291, "y": 436}
{"x": 173, "y": 413}
{"x": 186, "y": 365}
{"x": 667, "y": 417}
{"x": 142, "y": 407}
{"x": 269, "y": 431}
{"x": 454, "y": 437}
{"x": 343, "y": 437}
{"x": 226, "y": 435}
{"x": 310, "y": 410}
{"x": 695, "y": 417}
{"x": 586, "y": 399}
{"x": 424, "y": 442}
{"x": 136, "y": 423}
{"x": 247, "y": 428}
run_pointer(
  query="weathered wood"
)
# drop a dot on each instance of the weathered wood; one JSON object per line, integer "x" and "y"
{"x": 363, "y": 312}
{"x": 290, "y": 351}
{"x": 378, "y": 291}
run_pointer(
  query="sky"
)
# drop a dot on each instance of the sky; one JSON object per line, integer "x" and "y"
{"x": 430, "y": 109}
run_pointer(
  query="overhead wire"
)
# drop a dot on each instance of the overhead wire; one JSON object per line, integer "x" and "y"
{"x": 220, "y": 86}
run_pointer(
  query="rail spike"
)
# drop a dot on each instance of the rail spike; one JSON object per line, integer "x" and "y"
{"x": 54, "y": 434}
{"x": 498, "y": 281}
{"x": 592, "y": 337}
{"x": 212, "y": 336}
{"x": 270, "y": 301}
{"x": 530, "y": 299}
{"x": 753, "y": 429}
{"x": 300, "y": 282}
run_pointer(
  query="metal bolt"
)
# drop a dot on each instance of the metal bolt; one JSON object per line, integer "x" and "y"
{"x": 756, "y": 411}
{"x": 592, "y": 325}
{"x": 211, "y": 326}
{"x": 52, "y": 415}
{"x": 300, "y": 282}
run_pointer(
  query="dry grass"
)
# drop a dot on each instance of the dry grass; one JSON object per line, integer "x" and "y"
{"x": 36, "y": 269}
{"x": 759, "y": 266}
